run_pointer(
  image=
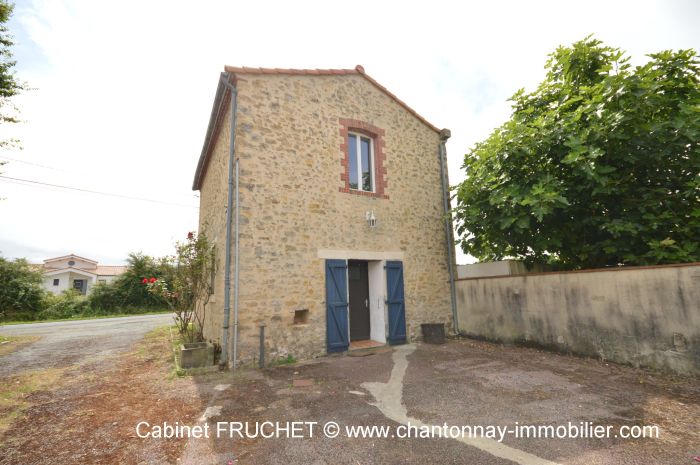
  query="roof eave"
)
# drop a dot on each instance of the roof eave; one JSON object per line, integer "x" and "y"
{"x": 214, "y": 118}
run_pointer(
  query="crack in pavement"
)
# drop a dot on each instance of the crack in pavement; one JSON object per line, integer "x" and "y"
{"x": 389, "y": 397}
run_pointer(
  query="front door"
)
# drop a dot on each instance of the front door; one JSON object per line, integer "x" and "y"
{"x": 78, "y": 285}
{"x": 358, "y": 293}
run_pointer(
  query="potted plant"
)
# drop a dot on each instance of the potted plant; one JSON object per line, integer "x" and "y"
{"x": 187, "y": 289}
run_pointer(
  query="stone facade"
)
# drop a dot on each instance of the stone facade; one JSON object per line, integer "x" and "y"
{"x": 296, "y": 210}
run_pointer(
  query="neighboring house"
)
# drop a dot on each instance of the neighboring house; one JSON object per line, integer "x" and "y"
{"x": 342, "y": 231}
{"x": 79, "y": 273}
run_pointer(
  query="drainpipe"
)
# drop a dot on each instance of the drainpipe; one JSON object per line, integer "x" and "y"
{"x": 444, "y": 135}
{"x": 232, "y": 185}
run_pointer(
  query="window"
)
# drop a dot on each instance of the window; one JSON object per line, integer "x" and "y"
{"x": 56, "y": 281}
{"x": 102, "y": 281}
{"x": 361, "y": 162}
{"x": 363, "y": 159}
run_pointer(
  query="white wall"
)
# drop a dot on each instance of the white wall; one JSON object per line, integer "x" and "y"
{"x": 63, "y": 283}
{"x": 63, "y": 263}
{"x": 66, "y": 282}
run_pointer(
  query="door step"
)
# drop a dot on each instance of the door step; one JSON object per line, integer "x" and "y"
{"x": 367, "y": 347}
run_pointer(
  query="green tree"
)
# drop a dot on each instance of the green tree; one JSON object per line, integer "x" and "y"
{"x": 21, "y": 294}
{"x": 598, "y": 166}
{"x": 127, "y": 292}
{"x": 9, "y": 85}
{"x": 189, "y": 287}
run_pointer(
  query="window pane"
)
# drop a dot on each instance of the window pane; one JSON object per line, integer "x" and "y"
{"x": 352, "y": 160}
{"x": 366, "y": 165}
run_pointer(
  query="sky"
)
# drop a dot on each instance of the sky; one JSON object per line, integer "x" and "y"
{"x": 122, "y": 91}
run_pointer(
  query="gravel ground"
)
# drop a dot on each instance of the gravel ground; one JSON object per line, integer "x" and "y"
{"x": 64, "y": 343}
{"x": 107, "y": 383}
{"x": 460, "y": 383}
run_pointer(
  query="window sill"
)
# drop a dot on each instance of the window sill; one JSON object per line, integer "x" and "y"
{"x": 363, "y": 193}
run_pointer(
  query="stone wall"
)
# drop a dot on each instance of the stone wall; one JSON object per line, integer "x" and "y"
{"x": 644, "y": 316}
{"x": 212, "y": 221}
{"x": 293, "y": 206}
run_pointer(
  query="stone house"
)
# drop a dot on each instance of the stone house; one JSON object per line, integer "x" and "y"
{"x": 340, "y": 234}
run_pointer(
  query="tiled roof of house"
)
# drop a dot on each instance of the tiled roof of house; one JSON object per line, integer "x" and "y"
{"x": 222, "y": 98}
{"x": 72, "y": 255}
{"x": 110, "y": 270}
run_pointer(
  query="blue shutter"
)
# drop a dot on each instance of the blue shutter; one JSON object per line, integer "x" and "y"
{"x": 337, "y": 305}
{"x": 396, "y": 303}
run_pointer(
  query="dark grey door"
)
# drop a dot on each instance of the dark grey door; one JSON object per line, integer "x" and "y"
{"x": 79, "y": 285}
{"x": 358, "y": 285}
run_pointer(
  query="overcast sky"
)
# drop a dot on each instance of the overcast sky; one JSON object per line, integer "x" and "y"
{"x": 123, "y": 91}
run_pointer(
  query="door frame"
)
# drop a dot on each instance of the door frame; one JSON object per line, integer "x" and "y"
{"x": 368, "y": 299}
{"x": 377, "y": 302}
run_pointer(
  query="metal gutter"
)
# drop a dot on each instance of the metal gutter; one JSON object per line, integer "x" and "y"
{"x": 449, "y": 242}
{"x": 232, "y": 185}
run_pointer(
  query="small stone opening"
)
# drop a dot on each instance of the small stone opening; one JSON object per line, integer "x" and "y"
{"x": 301, "y": 316}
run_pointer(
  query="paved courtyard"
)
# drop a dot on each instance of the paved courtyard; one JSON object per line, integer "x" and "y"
{"x": 460, "y": 383}
{"x": 84, "y": 406}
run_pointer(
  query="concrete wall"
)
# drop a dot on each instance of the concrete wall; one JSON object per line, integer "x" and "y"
{"x": 294, "y": 215}
{"x": 497, "y": 268}
{"x": 644, "y": 316}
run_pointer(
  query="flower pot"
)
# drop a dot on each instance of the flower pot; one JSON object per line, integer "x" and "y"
{"x": 196, "y": 354}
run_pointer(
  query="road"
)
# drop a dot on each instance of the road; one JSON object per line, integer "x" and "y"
{"x": 64, "y": 343}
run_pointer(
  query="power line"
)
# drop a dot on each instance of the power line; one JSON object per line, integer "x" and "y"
{"x": 88, "y": 191}
{"x": 33, "y": 164}
{"x": 62, "y": 170}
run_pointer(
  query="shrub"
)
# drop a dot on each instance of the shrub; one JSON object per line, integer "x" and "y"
{"x": 21, "y": 294}
{"x": 66, "y": 305}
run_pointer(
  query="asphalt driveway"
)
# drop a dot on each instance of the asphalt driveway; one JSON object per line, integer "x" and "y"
{"x": 64, "y": 343}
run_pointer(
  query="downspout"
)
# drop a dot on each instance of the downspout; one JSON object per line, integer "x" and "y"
{"x": 444, "y": 135}
{"x": 232, "y": 185}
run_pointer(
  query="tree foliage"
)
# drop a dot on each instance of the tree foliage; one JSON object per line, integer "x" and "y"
{"x": 127, "y": 292}
{"x": 9, "y": 85}
{"x": 600, "y": 165}
{"x": 21, "y": 294}
{"x": 189, "y": 286}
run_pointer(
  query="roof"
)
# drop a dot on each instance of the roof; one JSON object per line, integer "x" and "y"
{"x": 223, "y": 97}
{"x": 55, "y": 271}
{"x": 69, "y": 256}
{"x": 101, "y": 270}
{"x": 110, "y": 270}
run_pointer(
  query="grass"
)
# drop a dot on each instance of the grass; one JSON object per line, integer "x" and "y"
{"x": 288, "y": 360}
{"x": 84, "y": 317}
{"x": 165, "y": 341}
{"x": 14, "y": 393}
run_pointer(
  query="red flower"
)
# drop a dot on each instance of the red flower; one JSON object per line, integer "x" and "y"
{"x": 190, "y": 235}
{"x": 144, "y": 280}
{"x": 153, "y": 280}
